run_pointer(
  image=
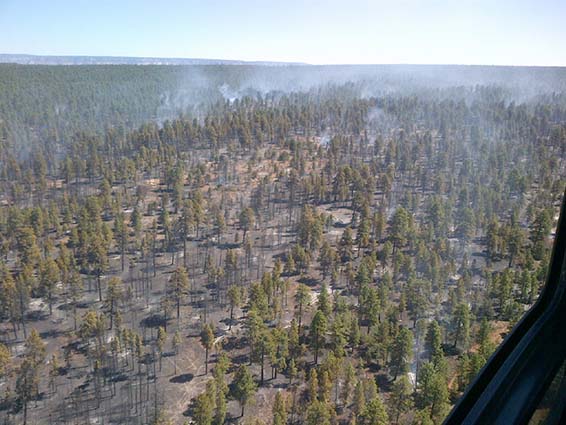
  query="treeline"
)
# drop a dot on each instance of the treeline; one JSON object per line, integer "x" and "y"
{"x": 42, "y": 107}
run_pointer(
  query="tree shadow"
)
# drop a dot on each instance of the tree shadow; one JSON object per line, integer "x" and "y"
{"x": 85, "y": 304}
{"x": 153, "y": 321}
{"x": 65, "y": 307}
{"x": 228, "y": 245}
{"x": 120, "y": 377}
{"x": 234, "y": 343}
{"x": 240, "y": 359}
{"x": 383, "y": 382}
{"x": 450, "y": 350}
{"x": 340, "y": 224}
{"x": 36, "y": 316}
{"x": 309, "y": 281}
{"x": 281, "y": 385}
{"x": 182, "y": 379}
{"x": 51, "y": 333}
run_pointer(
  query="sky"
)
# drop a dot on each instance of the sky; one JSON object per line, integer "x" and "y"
{"x": 481, "y": 32}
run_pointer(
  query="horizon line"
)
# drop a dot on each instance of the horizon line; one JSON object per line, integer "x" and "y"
{"x": 252, "y": 62}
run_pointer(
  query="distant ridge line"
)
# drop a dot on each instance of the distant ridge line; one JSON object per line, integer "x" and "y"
{"x": 25, "y": 59}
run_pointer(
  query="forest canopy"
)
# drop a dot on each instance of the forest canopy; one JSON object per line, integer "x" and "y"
{"x": 282, "y": 245}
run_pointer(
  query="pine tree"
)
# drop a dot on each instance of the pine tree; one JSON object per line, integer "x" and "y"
{"x": 349, "y": 383}
{"x": 345, "y": 245}
{"x": 49, "y": 276}
{"x": 374, "y": 413}
{"x": 98, "y": 259}
{"x": 433, "y": 341}
{"x": 280, "y": 409}
{"x": 370, "y": 387}
{"x": 400, "y": 399}
{"x": 114, "y": 295}
{"x": 5, "y": 360}
{"x": 302, "y": 298}
{"x": 324, "y": 303}
{"x": 178, "y": 287}
{"x": 222, "y": 365}
{"x": 160, "y": 342}
{"x": 235, "y": 299}
{"x": 433, "y": 391}
{"x": 176, "y": 343}
{"x": 359, "y": 398}
{"x": 203, "y": 413}
{"x": 292, "y": 371}
{"x": 28, "y": 379}
{"x": 244, "y": 387}
{"x": 317, "y": 333}
{"x": 280, "y": 351}
{"x": 462, "y": 325}
{"x": 313, "y": 386}
{"x": 247, "y": 220}
{"x": 539, "y": 233}
{"x": 325, "y": 386}
{"x": 75, "y": 292}
{"x": 53, "y": 372}
{"x": 265, "y": 347}
{"x": 400, "y": 224}
{"x": 402, "y": 352}
{"x": 486, "y": 346}
{"x": 318, "y": 413}
{"x": 207, "y": 341}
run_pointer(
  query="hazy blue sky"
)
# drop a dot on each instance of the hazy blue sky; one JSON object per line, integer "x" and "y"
{"x": 507, "y": 32}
